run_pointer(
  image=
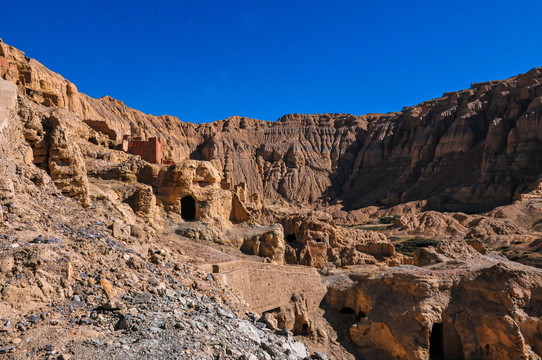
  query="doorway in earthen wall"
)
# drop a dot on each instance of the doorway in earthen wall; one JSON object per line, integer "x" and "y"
{"x": 436, "y": 342}
{"x": 188, "y": 208}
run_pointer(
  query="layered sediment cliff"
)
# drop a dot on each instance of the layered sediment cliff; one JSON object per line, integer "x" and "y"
{"x": 94, "y": 234}
{"x": 468, "y": 150}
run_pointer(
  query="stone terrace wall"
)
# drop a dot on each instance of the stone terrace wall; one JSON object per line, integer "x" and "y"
{"x": 266, "y": 286}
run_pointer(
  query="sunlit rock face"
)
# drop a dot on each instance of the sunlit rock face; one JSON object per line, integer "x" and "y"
{"x": 456, "y": 304}
{"x": 260, "y": 191}
{"x": 467, "y": 150}
{"x": 192, "y": 189}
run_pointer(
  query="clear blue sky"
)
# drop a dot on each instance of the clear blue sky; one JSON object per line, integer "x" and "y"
{"x": 207, "y": 60}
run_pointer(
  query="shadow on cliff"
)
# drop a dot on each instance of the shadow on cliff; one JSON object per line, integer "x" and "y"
{"x": 469, "y": 151}
{"x": 343, "y": 170}
{"x": 456, "y": 186}
{"x": 341, "y": 321}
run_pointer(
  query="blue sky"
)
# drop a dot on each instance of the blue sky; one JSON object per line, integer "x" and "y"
{"x": 207, "y": 60}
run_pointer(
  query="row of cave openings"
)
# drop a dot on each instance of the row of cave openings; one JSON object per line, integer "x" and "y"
{"x": 188, "y": 213}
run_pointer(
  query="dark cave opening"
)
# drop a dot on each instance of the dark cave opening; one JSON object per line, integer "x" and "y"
{"x": 188, "y": 208}
{"x": 436, "y": 342}
{"x": 291, "y": 238}
{"x": 349, "y": 311}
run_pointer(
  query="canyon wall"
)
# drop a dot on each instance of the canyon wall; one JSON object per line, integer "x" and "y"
{"x": 469, "y": 150}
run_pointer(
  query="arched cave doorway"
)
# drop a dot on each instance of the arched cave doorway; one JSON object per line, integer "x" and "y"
{"x": 436, "y": 342}
{"x": 188, "y": 208}
{"x": 291, "y": 238}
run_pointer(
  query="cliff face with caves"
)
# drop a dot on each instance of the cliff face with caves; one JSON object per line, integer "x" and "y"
{"x": 399, "y": 281}
{"x": 468, "y": 150}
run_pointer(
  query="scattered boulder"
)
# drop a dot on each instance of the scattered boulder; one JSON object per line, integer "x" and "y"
{"x": 66, "y": 164}
{"x": 268, "y": 243}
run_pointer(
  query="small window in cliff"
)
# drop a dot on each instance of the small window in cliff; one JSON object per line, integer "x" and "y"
{"x": 93, "y": 140}
{"x": 291, "y": 238}
{"x": 347, "y": 310}
{"x": 188, "y": 208}
{"x": 350, "y": 311}
{"x": 436, "y": 342}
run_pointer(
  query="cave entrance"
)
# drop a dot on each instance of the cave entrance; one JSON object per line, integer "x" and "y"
{"x": 436, "y": 342}
{"x": 188, "y": 208}
{"x": 346, "y": 310}
{"x": 291, "y": 238}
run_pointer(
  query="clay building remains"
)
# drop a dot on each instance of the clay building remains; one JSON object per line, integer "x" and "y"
{"x": 150, "y": 150}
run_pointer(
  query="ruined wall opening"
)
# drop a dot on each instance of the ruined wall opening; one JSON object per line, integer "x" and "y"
{"x": 188, "y": 208}
{"x": 347, "y": 310}
{"x": 291, "y": 238}
{"x": 436, "y": 342}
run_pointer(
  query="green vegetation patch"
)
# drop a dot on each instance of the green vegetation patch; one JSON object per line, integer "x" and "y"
{"x": 388, "y": 219}
{"x": 373, "y": 228}
{"x": 408, "y": 247}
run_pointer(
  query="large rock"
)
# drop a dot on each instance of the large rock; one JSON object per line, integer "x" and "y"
{"x": 142, "y": 200}
{"x": 460, "y": 305}
{"x": 265, "y": 242}
{"x": 193, "y": 190}
{"x": 313, "y": 239}
{"x": 66, "y": 164}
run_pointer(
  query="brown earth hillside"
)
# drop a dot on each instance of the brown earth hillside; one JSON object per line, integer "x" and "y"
{"x": 469, "y": 150}
{"x": 407, "y": 235}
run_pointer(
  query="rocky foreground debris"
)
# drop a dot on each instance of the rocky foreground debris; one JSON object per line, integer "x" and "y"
{"x": 183, "y": 324}
{"x": 148, "y": 311}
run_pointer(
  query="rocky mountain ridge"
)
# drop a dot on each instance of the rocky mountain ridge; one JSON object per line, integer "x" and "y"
{"x": 489, "y": 131}
{"x": 246, "y": 227}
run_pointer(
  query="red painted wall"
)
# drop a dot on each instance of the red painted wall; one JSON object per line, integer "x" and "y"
{"x": 150, "y": 150}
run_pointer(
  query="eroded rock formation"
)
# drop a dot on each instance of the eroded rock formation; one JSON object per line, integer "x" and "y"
{"x": 358, "y": 200}
{"x": 459, "y": 305}
{"x": 489, "y": 131}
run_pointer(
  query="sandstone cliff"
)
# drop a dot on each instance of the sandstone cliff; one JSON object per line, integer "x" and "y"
{"x": 457, "y": 304}
{"x": 468, "y": 150}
